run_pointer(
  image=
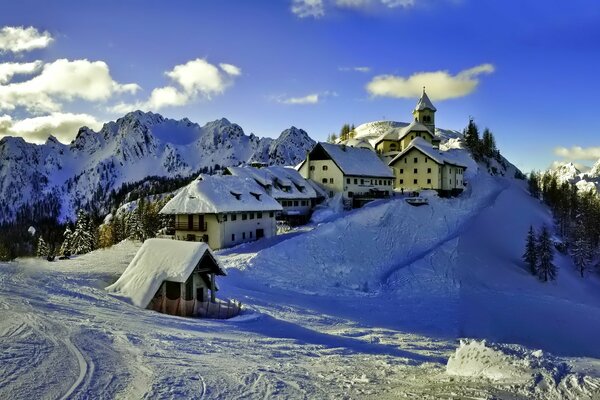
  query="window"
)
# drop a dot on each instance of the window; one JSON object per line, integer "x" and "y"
{"x": 429, "y": 181}
{"x": 233, "y": 217}
{"x": 355, "y": 181}
{"x": 244, "y": 216}
{"x": 259, "y": 215}
{"x": 393, "y": 146}
{"x": 243, "y": 235}
{"x": 362, "y": 181}
{"x": 303, "y": 202}
{"x": 416, "y": 160}
{"x": 224, "y": 217}
{"x": 251, "y": 215}
{"x": 348, "y": 181}
{"x": 250, "y": 234}
{"x": 324, "y": 180}
{"x": 415, "y": 171}
{"x": 330, "y": 180}
{"x": 173, "y": 290}
{"x": 401, "y": 170}
{"x": 428, "y": 170}
{"x": 271, "y": 214}
{"x": 189, "y": 288}
{"x": 295, "y": 203}
{"x": 405, "y": 160}
{"x": 330, "y": 193}
{"x": 415, "y": 181}
{"x": 426, "y": 159}
{"x": 402, "y": 181}
{"x": 312, "y": 168}
{"x": 325, "y": 168}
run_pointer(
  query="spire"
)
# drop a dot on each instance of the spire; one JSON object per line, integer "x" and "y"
{"x": 424, "y": 103}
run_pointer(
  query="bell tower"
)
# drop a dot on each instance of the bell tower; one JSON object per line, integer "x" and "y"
{"x": 424, "y": 112}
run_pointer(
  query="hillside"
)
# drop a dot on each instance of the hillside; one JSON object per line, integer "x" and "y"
{"x": 368, "y": 304}
{"x": 56, "y": 179}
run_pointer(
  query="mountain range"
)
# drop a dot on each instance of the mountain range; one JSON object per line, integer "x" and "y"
{"x": 55, "y": 179}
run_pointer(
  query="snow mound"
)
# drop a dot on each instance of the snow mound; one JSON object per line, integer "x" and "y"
{"x": 537, "y": 373}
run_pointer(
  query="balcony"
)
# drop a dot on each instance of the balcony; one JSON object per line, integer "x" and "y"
{"x": 195, "y": 227}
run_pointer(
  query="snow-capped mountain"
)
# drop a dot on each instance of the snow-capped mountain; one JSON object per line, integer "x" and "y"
{"x": 59, "y": 178}
{"x": 585, "y": 181}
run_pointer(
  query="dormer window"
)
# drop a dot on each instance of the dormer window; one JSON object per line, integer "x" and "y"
{"x": 256, "y": 195}
{"x": 237, "y": 195}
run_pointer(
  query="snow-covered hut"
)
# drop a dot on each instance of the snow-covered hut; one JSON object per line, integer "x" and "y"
{"x": 223, "y": 211}
{"x": 356, "y": 172}
{"x": 173, "y": 277}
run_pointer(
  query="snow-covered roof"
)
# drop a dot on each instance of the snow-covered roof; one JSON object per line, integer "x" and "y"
{"x": 355, "y": 161}
{"x": 160, "y": 260}
{"x": 424, "y": 103}
{"x": 279, "y": 182}
{"x": 357, "y": 142}
{"x": 397, "y": 134}
{"x": 211, "y": 194}
{"x": 440, "y": 157}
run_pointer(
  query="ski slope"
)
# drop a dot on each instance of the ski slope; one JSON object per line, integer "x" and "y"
{"x": 369, "y": 304}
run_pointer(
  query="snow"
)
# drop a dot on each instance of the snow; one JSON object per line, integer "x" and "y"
{"x": 424, "y": 103}
{"x": 211, "y": 194}
{"x": 279, "y": 182}
{"x": 158, "y": 260}
{"x": 31, "y": 230}
{"x": 355, "y": 161}
{"x": 399, "y": 133}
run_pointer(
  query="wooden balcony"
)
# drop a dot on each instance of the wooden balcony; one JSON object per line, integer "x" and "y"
{"x": 195, "y": 227}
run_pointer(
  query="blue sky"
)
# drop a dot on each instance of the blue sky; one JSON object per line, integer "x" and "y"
{"x": 529, "y": 68}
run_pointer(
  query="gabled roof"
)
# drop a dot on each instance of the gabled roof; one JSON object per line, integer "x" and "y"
{"x": 424, "y": 103}
{"x": 354, "y": 161}
{"x": 160, "y": 260}
{"x": 211, "y": 194}
{"x": 279, "y": 182}
{"x": 420, "y": 144}
{"x": 397, "y": 134}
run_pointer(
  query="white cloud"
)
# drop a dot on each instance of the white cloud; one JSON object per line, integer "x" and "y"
{"x": 308, "y": 99}
{"x": 308, "y": 8}
{"x": 63, "y": 80}
{"x": 578, "y": 153}
{"x": 196, "y": 78}
{"x": 63, "y": 126}
{"x": 231, "y": 69}
{"x": 8, "y": 70}
{"x": 355, "y": 69}
{"x": 17, "y": 39}
{"x": 440, "y": 85}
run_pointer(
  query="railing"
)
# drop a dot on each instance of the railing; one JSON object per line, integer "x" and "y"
{"x": 184, "y": 226}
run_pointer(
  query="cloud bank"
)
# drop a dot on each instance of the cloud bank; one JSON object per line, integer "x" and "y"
{"x": 18, "y": 39}
{"x": 63, "y": 126}
{"x": 578, "y": 153}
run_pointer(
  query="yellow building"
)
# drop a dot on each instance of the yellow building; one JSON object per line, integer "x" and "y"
{"x": 391, "y": 143}
{"x": 422, "y": 166}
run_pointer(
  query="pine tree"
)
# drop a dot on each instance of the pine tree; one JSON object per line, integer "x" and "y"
{"x": 42, "y": 248}
{"x": 546, "y": 268}
{"x": 582, "y": 249}
{"x": 530, "y": 256}
{"x": 488, "y": 143}
{"x": 83, "y": 240}
{"x": 65, "y": 248}
{"x": 471, "y": 136}
{"x": 534, "y": 184}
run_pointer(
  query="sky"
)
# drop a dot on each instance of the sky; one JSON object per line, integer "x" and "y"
{"x": 526, "y": 69}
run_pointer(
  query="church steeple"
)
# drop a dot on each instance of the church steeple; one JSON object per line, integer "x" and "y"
{"x": 424, "y": 112}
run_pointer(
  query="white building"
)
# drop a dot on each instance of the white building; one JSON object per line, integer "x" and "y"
{"x": 355, "y": 172}
{"x": 223, "y": 211}
{"x": 295, "y": 194}
{"x": 174, "y": 277}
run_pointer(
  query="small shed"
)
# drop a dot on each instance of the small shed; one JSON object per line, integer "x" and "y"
{"x": 175, "y": 277}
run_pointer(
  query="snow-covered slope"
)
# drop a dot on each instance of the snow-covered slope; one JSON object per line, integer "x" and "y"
{"x": 586, "y": 181}
{"x": 54, "y": 175}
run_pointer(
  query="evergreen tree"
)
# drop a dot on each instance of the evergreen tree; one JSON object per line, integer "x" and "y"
{"x": 471, "y": 137}
{"x": 582, "y": 249}
{"x": 534, "y": 184}
{"x": 530, "y": 256}
{"x": 42, "y": 248}
{"x": 546, "y": 268}
{"x": 65, "y": 248}
{"x": 344, "y": 132}
{"x": 488, "y": 143}
{"x": 83, "y": 240}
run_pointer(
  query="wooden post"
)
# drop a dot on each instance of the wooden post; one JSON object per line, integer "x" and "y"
{"x": 213, "y": 298}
